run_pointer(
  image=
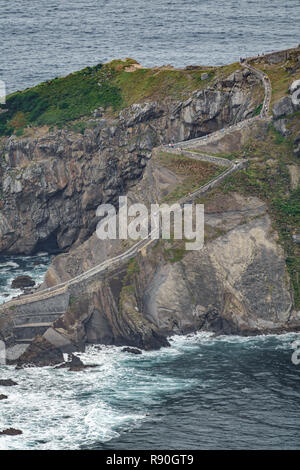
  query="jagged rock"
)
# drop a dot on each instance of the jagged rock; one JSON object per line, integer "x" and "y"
{"x": 283, "y": 107}
{"x": 140, "y": 112}
{"x": 52, "y": 185}
{"x": 98, "y": 112}
{"x": 294, "y": 171}
{"x": 132, "y": 350}
{"x": 59, "y": 340}
{"x": 7, "y": 383}
{"x": 3, "y": 397}
{"x": 280, "y": 126}
{"x": 10, "y": 432}
{"x": 74, "y": 364}
{"x": 230, "y": 282}
{"x": 296, "y": 238}
{"x": 294, "y": 86}
{"x": 297, "y": 151}
{"x": 295, "y": 94}
{"x": 40, "y": 353}
{"x": 22, "y": 281}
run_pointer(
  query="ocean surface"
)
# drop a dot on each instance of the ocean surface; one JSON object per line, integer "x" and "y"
{"x": 13, "y": 266}
{"x": 203, "y": 392}
{"x": 42, "y": 39}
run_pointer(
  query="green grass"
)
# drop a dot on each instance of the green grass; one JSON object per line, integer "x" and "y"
{"x": 258, "y": 109}
{"x": 194, "y": 173}
{"x": 174, "y": 254}
{"x": 228, "y": 156}
{"x": 281, "y": 75}
{"x": 59, "y": 101}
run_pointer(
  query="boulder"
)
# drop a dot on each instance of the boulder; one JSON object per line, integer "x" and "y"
{"x": 283, "y": 107}
{"x": 7, "y": 383}
{"x": 132, "y": 350}
{"x": 22, "y": 281}
{"x": 74, "y": 364}
{"x": 59, "y": 340}
{"x": 294, "y": 86}
{"x": 280, "y": 126}
{"x": 297, "y": 151}
{"x": 3, "y": 397}
{"x": 40, "y": 353}
{"x": 296, "y": 238}
{"x": 10, "y": 432}
{"x": 297, "y": 139}
{"x": 97, "y": 113}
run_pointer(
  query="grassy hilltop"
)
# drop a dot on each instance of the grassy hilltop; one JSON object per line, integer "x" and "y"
{"x": 272, "y": 172}
{"x": 113, "y": 86}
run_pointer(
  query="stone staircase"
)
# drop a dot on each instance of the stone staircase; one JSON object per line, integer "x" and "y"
{"x": 27, "y": 332}
{"x": 34, "y": 316}
{"x": 35, "y": 313}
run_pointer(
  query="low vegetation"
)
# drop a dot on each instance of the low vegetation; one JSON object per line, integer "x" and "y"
{"x": 113, "y": 86}
{"x": 281, "y": 74}
{"x": 194, "y": 173}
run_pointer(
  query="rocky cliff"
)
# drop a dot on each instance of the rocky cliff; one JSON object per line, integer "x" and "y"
{"x": 246, "y": 278}
{"x": 52, "y": 184}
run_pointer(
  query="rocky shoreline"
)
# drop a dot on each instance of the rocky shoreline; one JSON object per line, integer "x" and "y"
{"x": 238, "y": 284}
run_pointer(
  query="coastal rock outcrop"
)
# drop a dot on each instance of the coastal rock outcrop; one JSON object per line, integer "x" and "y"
{"x": 237, "y": 284}
{"x": 22, "y": 281}
{"x": 11, "y": 432}
{"x": 40, "y": 353}
{"x": 285, "y": 107}
{"x": 52, "y": 184}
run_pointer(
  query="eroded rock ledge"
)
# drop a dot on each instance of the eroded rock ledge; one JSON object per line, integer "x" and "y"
{"x": 52, "y": 185}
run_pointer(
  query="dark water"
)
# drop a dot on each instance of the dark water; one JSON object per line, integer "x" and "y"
{"x": 41, "y": 39}
{"x": 13, "y": 266}
{"x": 202, "y": 393}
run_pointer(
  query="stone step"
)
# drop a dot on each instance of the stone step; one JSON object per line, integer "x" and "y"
{"x": 30, "y": 330}
{"x": 36, "y": 318}
{"x": 24, "y": 341}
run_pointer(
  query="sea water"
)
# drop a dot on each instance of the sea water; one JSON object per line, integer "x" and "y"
{"x": 203, "y": 392}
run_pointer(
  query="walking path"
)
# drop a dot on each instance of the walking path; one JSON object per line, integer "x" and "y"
{"x": 29, "y": 318}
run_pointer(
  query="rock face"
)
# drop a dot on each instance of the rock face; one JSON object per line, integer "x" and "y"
{"x": 237, "y": 284}
{"x": 286, "y": 106}
{"x": 10, "y": 432}
{"x": 52, "y": 185}
{"x": 228, "y": 287}
{"x": 132, "y": 350}
{"x": 7, "y": 383}
{"x": 295, "y": 94}
{"x": 40, "y": 353}
{"x": 282, "y": 107}
{"x": 22, "y": 281}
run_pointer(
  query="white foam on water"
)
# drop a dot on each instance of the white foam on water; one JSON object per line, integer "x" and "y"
{"x": 59, "y": 409}
{"x": 10, "y": 264}
{"x": 10, "y": 269}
